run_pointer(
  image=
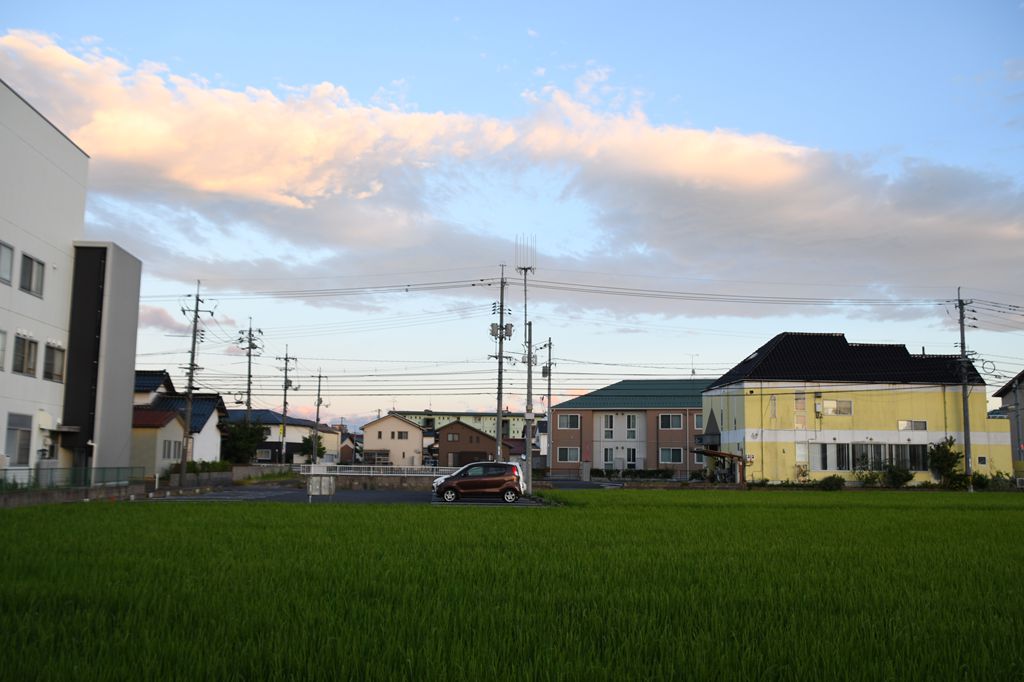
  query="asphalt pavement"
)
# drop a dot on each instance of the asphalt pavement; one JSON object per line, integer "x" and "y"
{"x": 278, "y": 493}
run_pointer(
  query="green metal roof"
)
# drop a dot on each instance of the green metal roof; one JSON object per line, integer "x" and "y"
{"x": 639, "y": 394}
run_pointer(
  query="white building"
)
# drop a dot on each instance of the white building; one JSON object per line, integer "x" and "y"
{"x": 68, "y": 309}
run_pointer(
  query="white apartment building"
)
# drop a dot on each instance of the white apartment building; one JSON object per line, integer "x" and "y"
{"x": 68, "y": 308}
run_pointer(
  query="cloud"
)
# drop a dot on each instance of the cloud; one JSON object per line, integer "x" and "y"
{"x": 152, "y": 317}
{"x": 246, "y": 187}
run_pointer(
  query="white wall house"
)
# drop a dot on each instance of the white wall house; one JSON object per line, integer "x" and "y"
{"x": 400, "y": 438}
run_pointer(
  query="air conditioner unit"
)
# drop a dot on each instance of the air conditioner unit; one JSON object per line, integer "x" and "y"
{"x": 1020, "y": 483}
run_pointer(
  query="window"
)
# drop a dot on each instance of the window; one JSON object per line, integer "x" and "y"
{"x": 568, "y": 421}
{"x": 698, "y": 421}
{"x": 670, "y": 421}
{"x": 32, "y": 275}
{"x": 53, "y": 364}
{"x": 25, "y": 352}
{"x": 918, "y": 457}
{"x": 630, "y": 427}
{"x": 799, "y": 421}
{"x": 6, "y": 263}
{"x": 453, "y": 437}
{"x": 908, "y": 425}
{"x": 823, "y": 452}
{"x": 380, "y": 435}
{"x": 670, "y": 455}
{"x": 631, "y": 458}
{"x": 699, "y": 458}
{"x": 609, "y": 458}
{"x": 19, "y": 438}
{"x": 837, "y": 407}
{"x": 3, "y": 349}
{"x": 843, "y": 456}
{"x": 568, "y": 454}
{"x": 609, "y": 426}
{"x": 799, "y": 401}
{"x": 403, "y": 435}
{"x": 772, "y": 409}
{"x": 982, "y": 460}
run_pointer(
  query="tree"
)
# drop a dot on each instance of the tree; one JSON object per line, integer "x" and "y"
{"x": 241, "y": 441}
{"x": 307, "y": 447}
{"x": 945, "y": 461}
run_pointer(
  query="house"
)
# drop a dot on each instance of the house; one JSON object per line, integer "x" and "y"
{"x": 154, "y": 390}
{"x": 157, "y": 439}
{"x": 68, "y": 308}
{"x": 393, "y": 440}
{"x": 150, "y": 384}
{"x": 1012, "y": 397}
{"x": 286, "y": 435}
{"x": 460, "y": 443}
{"x": 349, "y": 450}
{"x": 430, "y": 421}
{"x": 811, "y": 405}
{"x": 632, "y": 424}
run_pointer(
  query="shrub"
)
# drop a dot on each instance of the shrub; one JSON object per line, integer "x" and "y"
{"x": 539, "y": 474}
{"x": 946, "y": 462}
{"x": 1001, "y": 481}
{"x": 758, "y": 483}
{"x": 868, "y": 478}
{"x": 597, "y": 473}
{"x": 979, "y": 480}
{"x": 896, "y": 477}
{"x": 699, "y": 475}
{"x": 833, "y": 482}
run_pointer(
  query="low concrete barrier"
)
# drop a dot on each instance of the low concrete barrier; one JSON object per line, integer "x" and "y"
{"x": 25, "y": 498}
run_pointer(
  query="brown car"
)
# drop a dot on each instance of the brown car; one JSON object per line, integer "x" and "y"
{"x": 502, "y": 479}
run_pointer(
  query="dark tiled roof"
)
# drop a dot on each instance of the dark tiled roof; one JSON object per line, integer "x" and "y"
{"x": 638, "y": 394}
{"x": 793, "y": 356}
{"x": 269, "y": 418}
{"x": 1010, "y": 385}
{"x": 145, "y": 417}
{"x": 149, "y": 380}
{"x": 203, "y": 405}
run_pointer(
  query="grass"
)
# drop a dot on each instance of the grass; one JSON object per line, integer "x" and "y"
{"x": 623, "y": 584}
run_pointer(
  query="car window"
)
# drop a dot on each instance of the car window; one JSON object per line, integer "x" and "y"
{"x": 496, "y": 470}
{"x": 475, "y": 471}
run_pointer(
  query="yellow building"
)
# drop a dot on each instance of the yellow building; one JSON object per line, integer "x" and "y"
{"x": 812, "y": 405}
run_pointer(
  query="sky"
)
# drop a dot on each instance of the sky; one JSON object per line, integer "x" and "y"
{"x": 685, "y": 181}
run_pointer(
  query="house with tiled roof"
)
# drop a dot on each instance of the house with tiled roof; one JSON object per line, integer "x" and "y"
{"x": 393, "y": 440}
{"x": 809, "y": 405}
{"x": 632, "y": 424}
{"x": 157, "y": 438}
{"x": 286, "y": 434}
{"x": 1012, "y": 397}
{"x": 459, "y": 443}
{"x": 154, "y": 390}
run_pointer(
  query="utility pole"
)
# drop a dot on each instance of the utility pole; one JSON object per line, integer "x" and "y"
{"x": 501, "y": 331}
{"x": 965, "y": 392}
{"x": 319, "y": 402}
{"x": 186, "y": 450}
{"x": 247, "y": 341}
{"x": 546, "y": 372}
{"x": 284, "y": 411}
{"x": 529, "y": 408}
{"x": 526, "y": 258}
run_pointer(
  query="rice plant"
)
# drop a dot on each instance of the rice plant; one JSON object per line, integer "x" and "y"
{"x": 604, "y": 585}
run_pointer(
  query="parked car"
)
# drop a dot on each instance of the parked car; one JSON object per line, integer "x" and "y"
{"x": 479, "y": 479}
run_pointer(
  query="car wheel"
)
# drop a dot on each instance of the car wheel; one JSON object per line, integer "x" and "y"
{"x": 510, "y": 495}
{"x": 449, "y": 495}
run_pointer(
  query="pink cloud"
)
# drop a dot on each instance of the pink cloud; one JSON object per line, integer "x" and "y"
{"x": 158, "y": 318}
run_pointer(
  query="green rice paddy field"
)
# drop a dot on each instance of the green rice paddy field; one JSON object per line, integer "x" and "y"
{"x": 608, "y": 584}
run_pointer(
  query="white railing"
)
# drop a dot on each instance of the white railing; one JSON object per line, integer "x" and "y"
{"x": 350, "y": 470}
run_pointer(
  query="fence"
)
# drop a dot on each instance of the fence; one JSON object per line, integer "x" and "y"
{"x": 356, "y": 470}
{"x": 79, "y": 477}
